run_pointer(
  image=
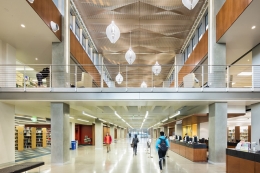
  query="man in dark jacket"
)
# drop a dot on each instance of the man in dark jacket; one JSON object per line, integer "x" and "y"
{"x": 134, "y": 144}
{"x": 42, "y": 75}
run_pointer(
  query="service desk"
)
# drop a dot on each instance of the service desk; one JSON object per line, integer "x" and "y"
{"x": 242, "y": 161}
{"x": 194, "y": 152}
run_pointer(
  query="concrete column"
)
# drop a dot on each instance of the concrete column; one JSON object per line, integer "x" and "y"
{"x": 98, "y": 134}
{"x": 7, "y": 134}
{"x": 61, "y": 53}
{"x": 255, "y": 119}
{"x": 217, "y": 132}
{"x": 118, "y": 133}
{"x": 178, "y": 129}
{"x": 166, "y": 131}
{"x": 256, "y": 68}
{"x": 8, "y": 73}
{"x": 60, "y": 133}
{"x": 216, "y": 52}
{"x": 112, "y": 132}
{"x": 122, "y": 133}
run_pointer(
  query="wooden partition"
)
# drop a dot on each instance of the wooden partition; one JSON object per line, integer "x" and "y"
{"x": 44, "y": 137}
{"x": 20, "y": 137}
{"x": 228, "y": 14}
{"x": 82, "y": 58}
{"x": 198, "y": 54}
{"x": 33, "y": 137}
{"x": 47, "y": 11}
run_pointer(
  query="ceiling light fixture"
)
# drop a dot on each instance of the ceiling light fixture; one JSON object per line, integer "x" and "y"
{"x": 102, "y": 120}
{"x": 22, "y": 25}
{"x": 190, "y": 4}
{"x": 245, "y": 74}
{"x": 130, "y": 55}
{"x": 164, "y": 120}
{"x": 176, "y": 114}
{"x": 143, "y": 85}
{"x": 156, "y": 68}
{"x": 88, "y": 115}
{"x": 71, "y": 118}
{"x": 119, "y": 77}
{"x": 36, "y": 59}
{"x": 117, "y": 115}
{"x": 253, "y": 27}
{"x": 112, "y": 32}
{"x": 83, "y": 120}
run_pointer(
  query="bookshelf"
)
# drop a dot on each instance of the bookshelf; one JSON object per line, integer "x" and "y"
{"x": 39, "y": 137}
{"x": 48, "y": 136}
{"x": 231, "y": 134}
{"x": 244, "y": 133}
{"x": 27, "y": 138}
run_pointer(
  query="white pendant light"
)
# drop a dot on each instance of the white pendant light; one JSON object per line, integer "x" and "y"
{"x": 113, "y": 32}
{"x": 143, "y": 85}
{"x": 190, "y": 4}
{"x": 130, "y": 55}
{"x": 156, "y": 68}
{"x": 119, "y": 77}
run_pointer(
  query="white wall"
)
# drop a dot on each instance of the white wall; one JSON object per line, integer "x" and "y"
{"x": 204, "y": 130}
{"x": 7, "y": 134}
{"x": 7, "y": 56}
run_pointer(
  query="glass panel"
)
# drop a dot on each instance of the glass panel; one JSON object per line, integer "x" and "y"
{"x": 206, "y": 21}
{"x": 77, "y": 31}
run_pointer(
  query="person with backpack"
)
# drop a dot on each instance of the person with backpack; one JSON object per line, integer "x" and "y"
{"x": 134, "y": 144}
{"x": 162, "y": 145}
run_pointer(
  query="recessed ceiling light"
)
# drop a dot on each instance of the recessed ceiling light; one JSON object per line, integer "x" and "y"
{"x": 36, "y": 59}
{"x": 233, "y": 83}
{"x": 253, "y": 27}
{"x": 22, "y": 25}
{"x": 248, "y": 60}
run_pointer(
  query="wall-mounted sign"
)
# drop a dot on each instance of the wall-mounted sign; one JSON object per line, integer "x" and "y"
{"x": 179, "y": 122}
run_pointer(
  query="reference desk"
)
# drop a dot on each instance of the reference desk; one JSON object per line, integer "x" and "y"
{"x": 242, "y": 161}
{"x": 195, "y": 152}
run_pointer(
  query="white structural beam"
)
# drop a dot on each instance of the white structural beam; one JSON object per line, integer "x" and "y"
{"x": 165, "y": 108}
{"x": 112, "y": 108}
{"x": 152, "y": 108}
{"x": 126, "y": 109}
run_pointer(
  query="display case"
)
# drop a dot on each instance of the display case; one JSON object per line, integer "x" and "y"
{"x": 231, "y": 134}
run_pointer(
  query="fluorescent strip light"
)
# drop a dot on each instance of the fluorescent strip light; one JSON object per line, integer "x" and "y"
{"x": 117, "y": 115}
{"x": 102, "y": 120}
{"x": 123, "y": 120}
{"x": 245, "y": 74}
{"x": 178, "y": 113}
{"x": 146, "y": 115}
{"x": 22, "y": 69}
{"x": 83, "y": 120}
{"x": 71, "y": 117}
{"x": 88, "y": 115}
{"x": 164, "y": 120}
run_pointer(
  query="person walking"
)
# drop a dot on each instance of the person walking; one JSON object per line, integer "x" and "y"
{"x": 108, "y": 141}
{"x": 162, "y": 145}
{"x": 134, "y": 144}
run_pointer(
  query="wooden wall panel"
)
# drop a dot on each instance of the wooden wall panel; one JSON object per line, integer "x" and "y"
{"x": 237, "y": 132}
{"x": 228, "y": 14}
{"x": 200, "y": 51}
{"x": 48, "y": 12}
{"x": 257, "y": 167}
{"x": 232, "y": 164}
{"x": 246, "y": 166}
{"x": 82, "y": 58}
{"x": 200, "y": 155}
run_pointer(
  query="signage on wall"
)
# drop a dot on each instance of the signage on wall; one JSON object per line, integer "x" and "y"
{"x": 179, "y": 122}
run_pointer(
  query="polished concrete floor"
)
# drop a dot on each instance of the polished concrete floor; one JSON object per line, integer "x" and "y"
{"x": 121, "y": 160}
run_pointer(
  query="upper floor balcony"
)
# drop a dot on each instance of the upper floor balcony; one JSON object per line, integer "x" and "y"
{"x": 134, "y": 78}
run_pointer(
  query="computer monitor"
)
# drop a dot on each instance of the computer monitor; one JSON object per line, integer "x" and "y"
{"x": 180, "y": 138}
{"x": 176, "y": 136}
{"x": 187, "y": 138}
{"x": 195, "y": 139}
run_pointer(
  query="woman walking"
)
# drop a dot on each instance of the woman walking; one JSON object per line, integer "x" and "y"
{"x": 134, "y": 144}
{"x": 108, "y": 141}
